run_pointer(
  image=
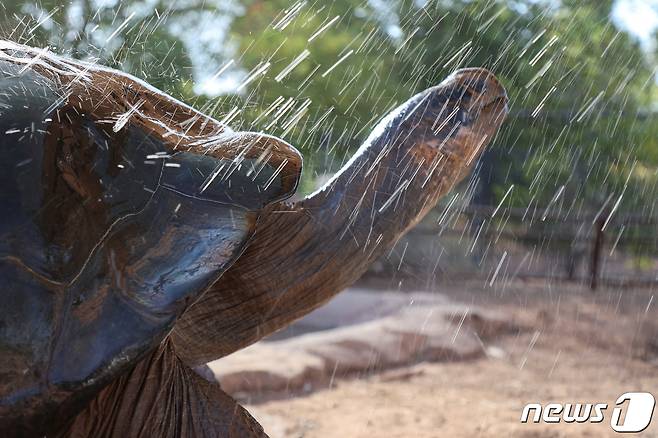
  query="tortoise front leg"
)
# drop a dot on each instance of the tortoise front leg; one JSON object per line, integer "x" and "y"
{"x": 161, "y": 397}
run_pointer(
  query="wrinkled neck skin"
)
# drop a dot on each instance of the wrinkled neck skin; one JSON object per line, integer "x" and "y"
{"x": 302, "y": 254}
{"x": 395, "y": 178}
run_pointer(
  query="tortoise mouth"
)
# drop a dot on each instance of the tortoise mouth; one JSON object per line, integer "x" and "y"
{"x": 497, "y": 106}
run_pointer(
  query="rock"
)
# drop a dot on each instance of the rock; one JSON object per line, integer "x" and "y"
{"x": 360, "y": 332}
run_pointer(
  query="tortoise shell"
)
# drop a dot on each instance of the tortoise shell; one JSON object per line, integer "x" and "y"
{"x": 120, "y": 206}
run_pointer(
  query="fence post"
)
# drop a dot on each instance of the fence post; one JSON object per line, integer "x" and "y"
{"x": 599, "y": 236}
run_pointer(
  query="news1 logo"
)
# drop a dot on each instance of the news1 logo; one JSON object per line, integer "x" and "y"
{"x": 636, "y": 407}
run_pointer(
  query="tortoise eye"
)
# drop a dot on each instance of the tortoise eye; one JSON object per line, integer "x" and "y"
{"x": 452, "y": 96}
{"x": 476, "y": 85}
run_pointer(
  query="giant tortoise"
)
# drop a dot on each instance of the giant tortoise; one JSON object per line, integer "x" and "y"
{"x": 141, "y": 239}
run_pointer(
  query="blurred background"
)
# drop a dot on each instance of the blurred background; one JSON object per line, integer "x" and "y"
{"x": 534, "y": 278}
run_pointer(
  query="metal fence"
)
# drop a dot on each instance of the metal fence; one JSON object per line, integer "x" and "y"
{"x": 590, "y": 247}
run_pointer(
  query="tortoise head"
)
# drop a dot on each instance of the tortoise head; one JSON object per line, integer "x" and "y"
{"x": 450, "y": 124}
{"x": 458, "y": 117}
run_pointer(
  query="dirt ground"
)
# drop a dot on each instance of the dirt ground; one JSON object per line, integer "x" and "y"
{"x": 576, "y": 347}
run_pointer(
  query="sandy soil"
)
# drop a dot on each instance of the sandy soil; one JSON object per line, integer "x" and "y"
{"x": 577, "y": 347}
